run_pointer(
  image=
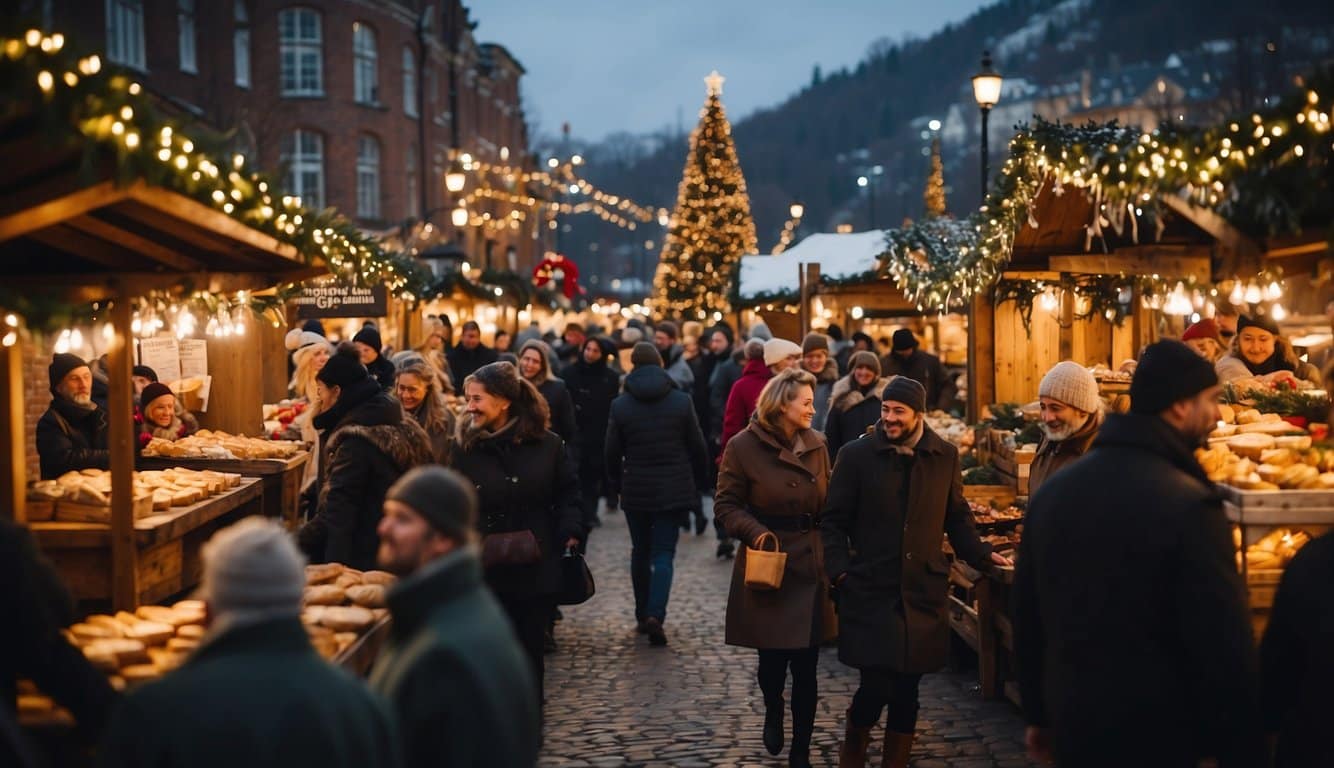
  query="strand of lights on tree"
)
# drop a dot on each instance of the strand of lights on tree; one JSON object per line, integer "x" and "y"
{"x": 711, "y": 226}
{"x": 795, "y": 211}
{"x": 1125, "y": 173}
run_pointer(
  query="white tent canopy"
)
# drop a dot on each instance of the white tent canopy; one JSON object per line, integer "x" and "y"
{"x": 839, "y": 256}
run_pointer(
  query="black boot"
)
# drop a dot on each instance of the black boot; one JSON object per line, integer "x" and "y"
{"x": 773, "y": 725}
{"x": 803, "y": 726}
{"x": 725, "y": 549}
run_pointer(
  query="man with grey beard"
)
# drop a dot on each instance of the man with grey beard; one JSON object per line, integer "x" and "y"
{"x": 1071, "y": 415}
{"x": 72, "y": 434}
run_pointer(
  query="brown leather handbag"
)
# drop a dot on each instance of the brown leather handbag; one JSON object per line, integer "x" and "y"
{"x": 510, "y": 548}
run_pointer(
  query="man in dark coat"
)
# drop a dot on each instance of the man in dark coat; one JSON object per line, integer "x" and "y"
{"x": 907, "y": 359}
{"x": 72, "y": 434}
{"x": 1296, "y": 670}
{"x": 371, "y": 350}
{"x": 1143, "y": 635}
{"x": 656, "y": 457}
{"x": 666, "y": 336}
{"x": 255, "y": 693}
{"x": 1071, "y": 411}
{"x": 452, "y": 670}
{"x": 36, "y": 606}
{"x": 716, "y": 350}
{"x": 469, "y": 354}
{"x": 368, "y": 444}
{"x": 592, "y": 386}
{"x": 893, "y": 496}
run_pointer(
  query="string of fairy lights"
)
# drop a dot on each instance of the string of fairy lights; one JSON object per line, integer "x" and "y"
{"x": 1125, "y": 173}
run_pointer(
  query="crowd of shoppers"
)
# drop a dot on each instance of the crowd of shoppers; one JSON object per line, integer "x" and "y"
{"x": 820, "y": 448}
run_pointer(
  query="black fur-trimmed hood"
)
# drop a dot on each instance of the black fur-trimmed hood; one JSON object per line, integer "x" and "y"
{"x": 406, "y": 444}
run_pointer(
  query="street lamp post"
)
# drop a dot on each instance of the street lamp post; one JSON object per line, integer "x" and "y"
{"x": 987, "y": 92}
{"x": 869, "y": 181}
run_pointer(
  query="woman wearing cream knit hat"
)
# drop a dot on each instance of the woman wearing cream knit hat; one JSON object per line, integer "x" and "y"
{"x": 1071, "y": 415}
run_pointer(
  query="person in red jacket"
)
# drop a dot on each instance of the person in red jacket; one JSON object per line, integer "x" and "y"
{"x": 772, "y": 358}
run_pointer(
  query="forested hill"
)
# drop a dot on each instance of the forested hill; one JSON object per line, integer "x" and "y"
{"x": 814, "y": 145}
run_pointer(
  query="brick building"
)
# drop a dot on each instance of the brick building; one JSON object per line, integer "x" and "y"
{"x": 359, "y": 105}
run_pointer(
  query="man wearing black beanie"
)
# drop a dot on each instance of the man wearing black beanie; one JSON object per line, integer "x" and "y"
{"x": 72, "y": 434}
{"x": 370, "y": 348}
{"x": 1155, "y": 608}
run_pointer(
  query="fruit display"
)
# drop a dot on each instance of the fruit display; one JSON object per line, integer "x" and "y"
{"x": 1274, "y": 551}
{"x": 216, "y": 444}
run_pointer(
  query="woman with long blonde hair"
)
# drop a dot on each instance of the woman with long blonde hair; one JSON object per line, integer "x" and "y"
{"x": 310, "y": 351}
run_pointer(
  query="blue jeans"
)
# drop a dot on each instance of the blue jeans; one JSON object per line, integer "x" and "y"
{"x": 652, "y": 549}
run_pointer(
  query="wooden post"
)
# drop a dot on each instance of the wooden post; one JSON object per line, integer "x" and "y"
{"x": 1066, "y": 335}
{"x": 13, "y": 462}
{"x": 981, "y": 354}
{"x": 124, "y": 553}
{"x": 236, "y": 399}
{"x": 809, "y": 278}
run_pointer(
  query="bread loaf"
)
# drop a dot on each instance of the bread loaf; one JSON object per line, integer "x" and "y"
{"x": 367, "y": 595}
{"x": 346, "y": 618}
{"x": 378, "y": 577}
{"x": 324, "y": 594}
{"x": 325, "y": 572}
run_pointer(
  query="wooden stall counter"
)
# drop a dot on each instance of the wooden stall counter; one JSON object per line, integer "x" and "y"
{"x": 281, "y": 479}
{"x": 167, "y": 546}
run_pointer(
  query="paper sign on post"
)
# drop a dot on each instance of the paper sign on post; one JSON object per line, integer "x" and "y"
{"x": 162, "y": 354}
{"x": 194, "y": 358}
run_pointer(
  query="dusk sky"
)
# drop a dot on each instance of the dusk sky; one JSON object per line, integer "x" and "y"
{"x": 612, "y": 65}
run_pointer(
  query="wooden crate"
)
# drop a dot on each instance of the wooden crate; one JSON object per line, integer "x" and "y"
{"x": 1003, "y": 495}
{"x": 972, "y": 617}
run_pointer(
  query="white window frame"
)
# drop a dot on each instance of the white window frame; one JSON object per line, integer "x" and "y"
{"x": 125, "y": 33}
{"x": 303, "y": 161}
{"x": 365, "y": 64}
{"x": 241, "y": 45}
{"x": 300, "y": 54}
{"x": 409, "y": 81}
{"x": 187, "y": 37}
{"x": 368, "y": 177}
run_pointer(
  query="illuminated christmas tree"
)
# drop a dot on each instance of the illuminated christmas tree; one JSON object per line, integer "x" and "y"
{"x": 934, "y": 196}
{"x": 711, "y": 227}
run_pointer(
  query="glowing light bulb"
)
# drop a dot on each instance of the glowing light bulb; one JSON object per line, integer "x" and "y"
{"x": 1278, "y": 313}
{"x": 1253, "y": 294}
{"x": 1274, "y": 292}
{"x": 1238, "y": 294}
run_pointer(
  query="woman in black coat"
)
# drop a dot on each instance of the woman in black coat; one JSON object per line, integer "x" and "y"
{"x": 535, "y": 367}
{"x": 592, "y": 386}
{"x": 525, "y": 482}
{"x": 368, "y": 445}
{"x": 372, "y": 356}
{"x": 854, "y": 403}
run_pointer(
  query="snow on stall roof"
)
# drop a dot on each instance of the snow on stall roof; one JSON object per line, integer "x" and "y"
{"x": 840, "y": 257}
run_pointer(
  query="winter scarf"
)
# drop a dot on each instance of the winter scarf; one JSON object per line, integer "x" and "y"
{"x": 847, "y": 395}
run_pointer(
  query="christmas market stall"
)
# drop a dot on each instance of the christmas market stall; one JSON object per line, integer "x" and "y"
{"x": 117, "y": 221}
{"x": 1096, "y": 240}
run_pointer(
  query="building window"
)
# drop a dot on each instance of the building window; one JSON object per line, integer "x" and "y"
{"x": 303, "y": 159}
{"x": 300, "y": 52}
{"x": 409, "y": 82}
{"x": 125, "y": 32}
{"x": 365, "y": 80}
{"x": 410, "y": 174}
{"x": 241, "y": 44}
{"x": 368, "y": 178}
{"x": 185, "y": 27}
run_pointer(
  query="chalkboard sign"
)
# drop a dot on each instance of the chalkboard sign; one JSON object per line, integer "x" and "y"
{"x": 334, "y": 300}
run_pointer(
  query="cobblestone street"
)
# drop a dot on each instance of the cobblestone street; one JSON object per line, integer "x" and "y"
{"x": 613, "y": 700}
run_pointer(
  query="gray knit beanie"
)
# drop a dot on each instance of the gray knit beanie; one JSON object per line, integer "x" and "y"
{"x": 443, "y": 497}
{"x": 1072, "y": 384}
{"x": 254, "y": 568}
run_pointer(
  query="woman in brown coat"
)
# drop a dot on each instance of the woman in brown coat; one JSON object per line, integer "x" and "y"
{"x": 773, "y": 479}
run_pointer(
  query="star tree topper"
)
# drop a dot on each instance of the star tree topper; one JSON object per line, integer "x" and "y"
{"x": 715, "y": 83}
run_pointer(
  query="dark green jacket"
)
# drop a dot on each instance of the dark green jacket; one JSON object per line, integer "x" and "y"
{"x": 454, "y": 673}
{"x": 256, "y": 696}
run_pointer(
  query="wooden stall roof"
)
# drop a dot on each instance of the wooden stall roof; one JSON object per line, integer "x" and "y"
{"x": 1193, "y": 241}
{"x": 64, "y": 225}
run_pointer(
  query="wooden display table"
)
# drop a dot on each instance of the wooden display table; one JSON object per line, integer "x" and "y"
{"x": 358, "y": 657}
{"x": 282, "y": 479}
{"x": 168, "y": 545}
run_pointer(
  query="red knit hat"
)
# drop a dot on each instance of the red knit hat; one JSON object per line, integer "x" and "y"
{"x": 1205, "y": 329}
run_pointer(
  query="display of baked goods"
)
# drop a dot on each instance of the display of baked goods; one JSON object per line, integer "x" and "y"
{"x": 1274, "y": 551}
{"x": 216, "y": 444}
{"x": 1292, "y": 465}
{"x": 137, "y": 647}
{"x": 985, "y": 515}
{"x": 953, "y": 430}
{"x": 85, "y": 495}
